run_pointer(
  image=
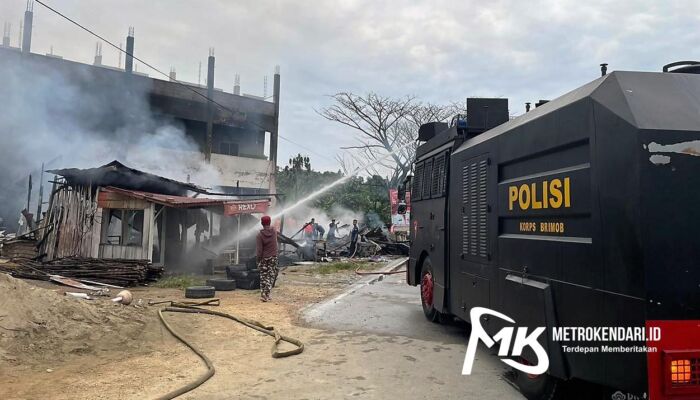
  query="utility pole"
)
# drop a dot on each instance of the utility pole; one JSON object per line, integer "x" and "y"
{"x": 29, "y": 192}
{"x": 41, "y": 194}
{"x": 210, "y": 106}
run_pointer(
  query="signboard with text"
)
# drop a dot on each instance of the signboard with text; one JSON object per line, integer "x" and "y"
{"x": 246, "y": 207}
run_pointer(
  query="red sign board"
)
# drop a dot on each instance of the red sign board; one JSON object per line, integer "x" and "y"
{"x": 394, "y": 201}
{"x": 246, "y": 207}
{"x": 399, "y": 222}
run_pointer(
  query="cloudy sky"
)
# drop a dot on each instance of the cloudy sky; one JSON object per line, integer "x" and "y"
{"x": 440, "y": 51}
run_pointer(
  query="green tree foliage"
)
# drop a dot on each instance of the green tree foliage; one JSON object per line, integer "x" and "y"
{"x": 361, "y": 194}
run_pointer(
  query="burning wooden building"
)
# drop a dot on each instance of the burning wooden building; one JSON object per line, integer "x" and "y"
{"x": 116, "y": 212}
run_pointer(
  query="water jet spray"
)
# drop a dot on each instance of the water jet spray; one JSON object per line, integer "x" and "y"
{"x": 249, "y": 231}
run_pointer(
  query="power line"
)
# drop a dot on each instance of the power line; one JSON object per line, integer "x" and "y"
{"x": 305, "y": 148}
{"x": 119, "y": 48}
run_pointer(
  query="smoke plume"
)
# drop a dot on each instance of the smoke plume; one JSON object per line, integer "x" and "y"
{"x": 65, "y": 115}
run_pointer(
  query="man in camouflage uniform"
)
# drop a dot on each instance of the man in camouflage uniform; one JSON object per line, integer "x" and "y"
{"x": 266, "y": 251}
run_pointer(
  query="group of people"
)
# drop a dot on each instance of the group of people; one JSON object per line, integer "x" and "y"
{"x": 314, "y": 231}
{"x": 266, "y": 248}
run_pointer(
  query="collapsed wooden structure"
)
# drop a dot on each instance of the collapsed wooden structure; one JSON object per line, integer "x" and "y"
{"x": 113, "y": 272}
{"x": 115, "y": 212}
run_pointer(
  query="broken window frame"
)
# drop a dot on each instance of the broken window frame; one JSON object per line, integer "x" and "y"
{"x": 131, "y": 224}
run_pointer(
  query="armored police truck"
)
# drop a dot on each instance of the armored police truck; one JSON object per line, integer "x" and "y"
{"x": 582, "y": 217}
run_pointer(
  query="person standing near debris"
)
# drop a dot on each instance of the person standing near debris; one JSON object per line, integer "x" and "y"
{"x": 354, "y": 235}
{"x": 266, "y": 251}
{"x": 309, "y": 229}
{"x": 317, "y": 230}
{"x": 332, "y": 227}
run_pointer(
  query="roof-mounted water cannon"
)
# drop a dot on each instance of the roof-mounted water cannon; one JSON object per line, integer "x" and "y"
{"x": 460, "y": 123}
{"x": 485, "y": 113}
{"x": 429, "y": 130}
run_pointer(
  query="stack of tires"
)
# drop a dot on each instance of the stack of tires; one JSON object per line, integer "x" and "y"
{"x": 247, "y": 276}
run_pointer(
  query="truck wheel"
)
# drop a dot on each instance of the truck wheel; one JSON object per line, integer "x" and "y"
{"x": 535, "y": 387}
{"x": 427, "y": 286}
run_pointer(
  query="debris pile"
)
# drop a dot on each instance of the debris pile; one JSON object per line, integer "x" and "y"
{"x": 387, "y": 246}
{"x": 39, "y": 325}
{"x": 111, "y": 271}
{"x": 18, "y": 248}
{"x": 369, "y": 242}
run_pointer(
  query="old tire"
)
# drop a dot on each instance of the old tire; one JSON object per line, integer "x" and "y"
{"x": 252, "y": 263}
{"x": 251, "y": 283}
{"x": 200, "y": 292}
{"x": 231, "y": 269}
{"x": 239, "y": 275}
{"x": 222, "y": 284}
{"x": 536, "y": 387}
{"x": 427, "y": 285}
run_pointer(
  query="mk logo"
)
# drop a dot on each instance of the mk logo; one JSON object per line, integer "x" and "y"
{"x": 522, "y": 340}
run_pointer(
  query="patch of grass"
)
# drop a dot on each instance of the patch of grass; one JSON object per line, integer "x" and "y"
{"x": 179, "y": 282}
{"x": 334, "y": 267}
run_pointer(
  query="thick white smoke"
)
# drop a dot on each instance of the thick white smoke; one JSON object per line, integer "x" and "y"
{"x": 71, "y": 117}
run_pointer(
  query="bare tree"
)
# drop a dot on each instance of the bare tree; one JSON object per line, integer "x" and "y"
{"x": 387, "y": 130}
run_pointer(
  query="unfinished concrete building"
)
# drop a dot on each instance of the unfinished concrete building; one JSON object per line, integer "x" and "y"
{"x": 230, "y": 130}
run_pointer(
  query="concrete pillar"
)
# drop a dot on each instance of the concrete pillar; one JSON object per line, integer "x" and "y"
{"x": 129, "y": 63}
{"x": 210, "y": 106}
{"x": 237, "y": 85}
{"x": 274, "y": 136}
{"x": 98, "y": 54}
{"x": 6, "y": 35}
{"x": 27, "y": 31}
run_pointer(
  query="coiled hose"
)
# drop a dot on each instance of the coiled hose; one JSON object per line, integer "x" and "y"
{"x": 193, "y": 308}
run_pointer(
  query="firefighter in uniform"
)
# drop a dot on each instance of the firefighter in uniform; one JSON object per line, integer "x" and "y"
{"x": 266, "y": 251}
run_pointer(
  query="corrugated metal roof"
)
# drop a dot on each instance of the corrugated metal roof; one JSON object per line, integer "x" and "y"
{"x": 174, "y": 201}
{"x": 118, "y": 174}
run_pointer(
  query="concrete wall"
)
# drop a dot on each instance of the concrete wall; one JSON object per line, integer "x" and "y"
{"x": 226, "y": 171}
{"x": 243, "y": 172}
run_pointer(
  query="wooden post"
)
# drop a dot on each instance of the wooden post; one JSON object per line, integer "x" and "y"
{"x": 37, "y": 218}
{"x": 238, "y": 239}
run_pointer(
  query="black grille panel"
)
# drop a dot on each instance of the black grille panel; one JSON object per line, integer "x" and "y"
{"x": 439, "y": 175}
{"x": 475, "y": 209}
{"x": 417, "y": 188}
{"x": 427, "y": 175}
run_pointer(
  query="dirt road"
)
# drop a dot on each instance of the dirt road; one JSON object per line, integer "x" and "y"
{"x": 335, "y": 364}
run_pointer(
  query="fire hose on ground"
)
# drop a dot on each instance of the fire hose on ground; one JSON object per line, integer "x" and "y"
{"x": 390, "y": 268}
{"x": 193, "y": 308}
